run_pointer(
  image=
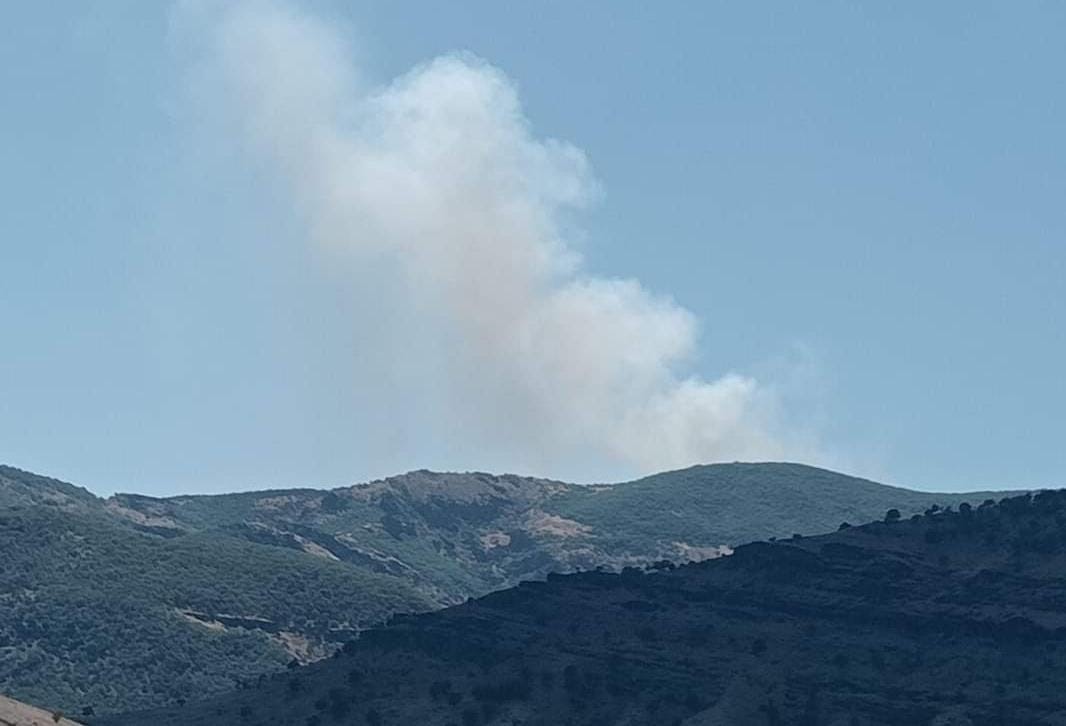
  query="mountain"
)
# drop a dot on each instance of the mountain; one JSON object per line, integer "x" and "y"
{"x": 950, "y": 618}
{"x": 97, "y": 612}
{"x": 21, "y": 488}
{"x": 457, "y": 535}
{"x": 134, "y": 602}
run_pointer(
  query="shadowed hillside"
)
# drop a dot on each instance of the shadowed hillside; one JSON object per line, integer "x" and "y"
{"x": 134, "y": 602}
{"x": 951, "y": 618}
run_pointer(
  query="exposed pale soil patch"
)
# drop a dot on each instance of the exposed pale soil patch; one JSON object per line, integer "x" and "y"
{"x": 694, "y": 553}
{"x": 16, "y": 713}
{"x": 553, "y": 525}
{"x": 492, "y": 540}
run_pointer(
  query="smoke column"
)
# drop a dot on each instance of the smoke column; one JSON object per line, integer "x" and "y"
{"x": 440, "y": 172}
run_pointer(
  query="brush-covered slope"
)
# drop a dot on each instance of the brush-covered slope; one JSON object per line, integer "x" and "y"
{"x": 951, "y": 618}
{"x": 135, "y": 601}
{"x": 457, "y": 535}
{"x": 21, "y": 488}
{"x": 732, "y": 504}
{"x": 96, "y": 614}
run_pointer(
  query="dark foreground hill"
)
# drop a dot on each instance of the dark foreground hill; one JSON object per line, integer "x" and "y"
{"x": 134, "y": 602}
{"x": 952, "y": 618}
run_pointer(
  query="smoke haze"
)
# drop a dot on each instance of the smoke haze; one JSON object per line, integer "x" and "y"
{"x": 440, "y": 173}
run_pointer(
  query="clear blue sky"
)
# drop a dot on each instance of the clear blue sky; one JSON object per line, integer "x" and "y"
{"x": 874, "y": 188}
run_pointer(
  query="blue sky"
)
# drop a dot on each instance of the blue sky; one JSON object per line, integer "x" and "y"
{"x": 859, "y": 205}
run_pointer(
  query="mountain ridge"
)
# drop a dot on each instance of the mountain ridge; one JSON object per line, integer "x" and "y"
{"x": 245, "y": 583}
{"x": 945, "y": 618}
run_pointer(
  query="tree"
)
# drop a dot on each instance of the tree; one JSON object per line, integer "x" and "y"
{"x": 892, "y": 515}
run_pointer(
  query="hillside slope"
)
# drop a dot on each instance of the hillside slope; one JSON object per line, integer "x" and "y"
{"x": 735, "y": 503}
{"x": 16, "y": 713}
{"x": 96, "y": 614}
{"x": 457, "y": 535}
{"x": 22, "y": 488}
{"x": 952, "y": 618}
{"x": 134, "y": 601}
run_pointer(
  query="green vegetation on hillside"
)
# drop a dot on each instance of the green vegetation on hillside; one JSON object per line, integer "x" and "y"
{"x": 19, "y": 488}
{"x": 951, "y": 617}
{"x": 735, "y": 503}
{"x": 91, "y": 610}
{"x": 139, "y": 601}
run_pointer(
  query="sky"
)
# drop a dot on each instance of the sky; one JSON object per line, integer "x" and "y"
{"x": 306, "y": 244}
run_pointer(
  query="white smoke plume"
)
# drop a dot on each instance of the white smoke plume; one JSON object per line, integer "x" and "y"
{"x": 440, "y": 171}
